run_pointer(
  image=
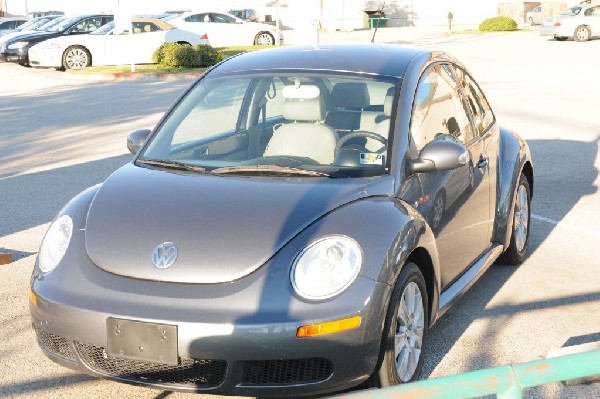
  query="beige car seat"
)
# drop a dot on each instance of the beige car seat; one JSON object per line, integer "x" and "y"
{"x": 307, "y": 136}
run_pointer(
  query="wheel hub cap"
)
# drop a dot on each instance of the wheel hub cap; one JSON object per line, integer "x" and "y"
{"x": 409, "y": 332}
{"x": 521, "y": 218}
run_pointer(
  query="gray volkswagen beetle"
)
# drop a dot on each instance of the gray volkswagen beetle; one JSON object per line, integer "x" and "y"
{"x": 294, "y": 225}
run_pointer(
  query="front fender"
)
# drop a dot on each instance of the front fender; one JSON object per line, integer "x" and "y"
{"x": 388, "y": 231}
{"x": 514, "y": 158}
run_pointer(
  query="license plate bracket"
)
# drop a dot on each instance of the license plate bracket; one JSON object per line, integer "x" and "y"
{"x": 137, "y": 340}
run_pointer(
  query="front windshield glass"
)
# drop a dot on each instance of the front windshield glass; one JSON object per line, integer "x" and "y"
{"x": 50, "y": 24}
{"x": 31, "y": 24}
{"x": 104, "y": 29}
{"x": 571, "y": 11}
{"x": 336, "y": 125}
{"x": 63, "y": 25}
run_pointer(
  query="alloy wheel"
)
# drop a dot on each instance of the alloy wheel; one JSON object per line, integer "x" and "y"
{"x": 77, "y": 59}
{"x": 409, "y": 332}
{"x": 521, "y": 218}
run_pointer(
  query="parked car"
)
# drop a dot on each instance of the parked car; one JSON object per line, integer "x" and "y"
{"x": 106, "y": 47}
{"x": 31, "y": 24}
{"x": 26, "y": 32}
{"x": 534, "y": 17}
{"x": 17, "y": 48}
{"x": 249, "y": 248}
{"x": 226, "y": 30}
{"x": 11, "y": 23}
{"x": 36, "y": 14}
{"x": 580, "y": 22}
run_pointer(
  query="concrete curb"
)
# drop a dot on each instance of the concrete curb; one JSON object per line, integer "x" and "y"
{"x": 107, "y": 76}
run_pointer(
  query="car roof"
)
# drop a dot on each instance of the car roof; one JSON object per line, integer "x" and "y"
{"x": 367, "y": 58}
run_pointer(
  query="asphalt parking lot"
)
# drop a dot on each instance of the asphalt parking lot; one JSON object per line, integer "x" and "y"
{"x": 59, "y": 136}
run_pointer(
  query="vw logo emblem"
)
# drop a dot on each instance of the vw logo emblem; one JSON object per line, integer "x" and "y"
{"x": 164, "y": 255}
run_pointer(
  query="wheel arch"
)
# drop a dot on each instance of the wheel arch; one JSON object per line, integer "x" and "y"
{"x": 421, "y": 257}
{"x": 514, "y": 159}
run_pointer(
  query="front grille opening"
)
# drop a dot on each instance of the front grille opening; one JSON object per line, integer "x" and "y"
{"x": 190, "y": 372}
{"x": 286, "y": 372}
{"x": 54, "y": 343}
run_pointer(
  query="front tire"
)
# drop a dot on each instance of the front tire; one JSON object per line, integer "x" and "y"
{"x": 264, "y": 39}
{"x": 582, "y": 34}
{"x": 76, "y": 57}
{"x": 519, "y": 238}
{"x": 405, "y": 331}
{"x": 560, "y": 38}
{"x": 530, "y": 21}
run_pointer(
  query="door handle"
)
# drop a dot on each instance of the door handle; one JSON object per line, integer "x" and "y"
{"x": 483, "y": 162}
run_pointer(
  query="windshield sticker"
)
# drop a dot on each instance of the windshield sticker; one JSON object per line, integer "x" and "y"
{"x": 367, "y": 158}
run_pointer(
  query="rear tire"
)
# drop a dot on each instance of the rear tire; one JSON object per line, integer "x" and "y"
{"x": 582, "y": 34}
{"x": 264, "y": 39}
{"x": 519, "y": 238}
{"x": 76, "y": 57}
{"x": 405, "y": 331}
{"x": 530, "y": 20}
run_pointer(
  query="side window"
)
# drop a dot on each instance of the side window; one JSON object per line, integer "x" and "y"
{"x": 438, "y": 111}
{"x": 198, "y": 18}
{"x": 222, "y": 18}
{"x": 88, "y": 25}
{"x": 480, "y": 109}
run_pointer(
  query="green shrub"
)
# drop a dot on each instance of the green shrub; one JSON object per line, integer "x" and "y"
{"x": 498, "y": 24}
{"x": 207, "y": 56}
{"x": 183, "y": 55}
{"x": 159, "y": 55}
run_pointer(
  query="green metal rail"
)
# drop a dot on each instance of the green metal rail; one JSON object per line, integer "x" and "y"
{"x": 507, "y": 382}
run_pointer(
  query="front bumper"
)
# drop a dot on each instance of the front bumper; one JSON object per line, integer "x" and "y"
{"x": 237, "y": 338}
{"x": 18, "y": 56}
{"x": 44, "y": 58}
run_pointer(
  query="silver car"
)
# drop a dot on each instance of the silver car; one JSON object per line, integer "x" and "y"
{"x": 294, "y": 225}
{"x": 580, "y": 22}
{"x": 534, "y": 17}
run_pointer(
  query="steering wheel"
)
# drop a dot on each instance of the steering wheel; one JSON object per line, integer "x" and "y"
{"x": 362, "y": 133}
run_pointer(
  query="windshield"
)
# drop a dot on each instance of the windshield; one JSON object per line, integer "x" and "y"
{"x": 31, "y": 24}
{"x": 50, "y": 24}
{"x": 571, "y": 11}
{"x": 104, "y": 29}
{"x": 63, "y": 25}
{"x": 328, "y": 124}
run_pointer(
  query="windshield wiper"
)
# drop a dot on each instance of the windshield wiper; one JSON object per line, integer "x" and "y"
{"x": 165, "y": 163}
{"x": 285, "y": 170}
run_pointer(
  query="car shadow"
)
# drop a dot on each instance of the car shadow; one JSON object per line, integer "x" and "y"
{"x": 549, "y": 206}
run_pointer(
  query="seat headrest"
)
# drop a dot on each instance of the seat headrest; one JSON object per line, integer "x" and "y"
{"x": 350, "y": 95}
{"x": 388, "y": 102}
{"x": 297, "y": 92}
{"x": 312, "y": 110}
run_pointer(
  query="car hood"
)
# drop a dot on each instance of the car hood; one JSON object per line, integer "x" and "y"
{"x": 224, "y": 227}
{"x": 33, "y": 35}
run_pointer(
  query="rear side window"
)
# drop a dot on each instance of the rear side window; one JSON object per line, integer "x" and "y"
{"x": 480, "y": 109}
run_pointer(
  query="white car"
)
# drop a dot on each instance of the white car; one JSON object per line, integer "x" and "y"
{"x": 226, "y": 30}
{"x": 580, "y": 22}
{"x": 534, "y": 17}
{"x": 105, "y": 47}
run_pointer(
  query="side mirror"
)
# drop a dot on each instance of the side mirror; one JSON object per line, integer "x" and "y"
{"x": 440, "y": 155}
{"x": 136, "y": 140}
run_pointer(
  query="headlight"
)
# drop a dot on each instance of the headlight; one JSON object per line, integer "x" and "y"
{"x": 326, "y": 267}
{"x": 55, "y": 243}
{"x": 17, "y": 45}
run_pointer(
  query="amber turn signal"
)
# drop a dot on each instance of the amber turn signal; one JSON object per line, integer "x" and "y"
{"x": 32, "y": 297}
{"x": 328, "y": 328}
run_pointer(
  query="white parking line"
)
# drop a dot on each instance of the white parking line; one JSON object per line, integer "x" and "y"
{"x": 567, "y": 225}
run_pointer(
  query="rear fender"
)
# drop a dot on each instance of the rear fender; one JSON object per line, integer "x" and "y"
{"x": 514, "y": 158}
